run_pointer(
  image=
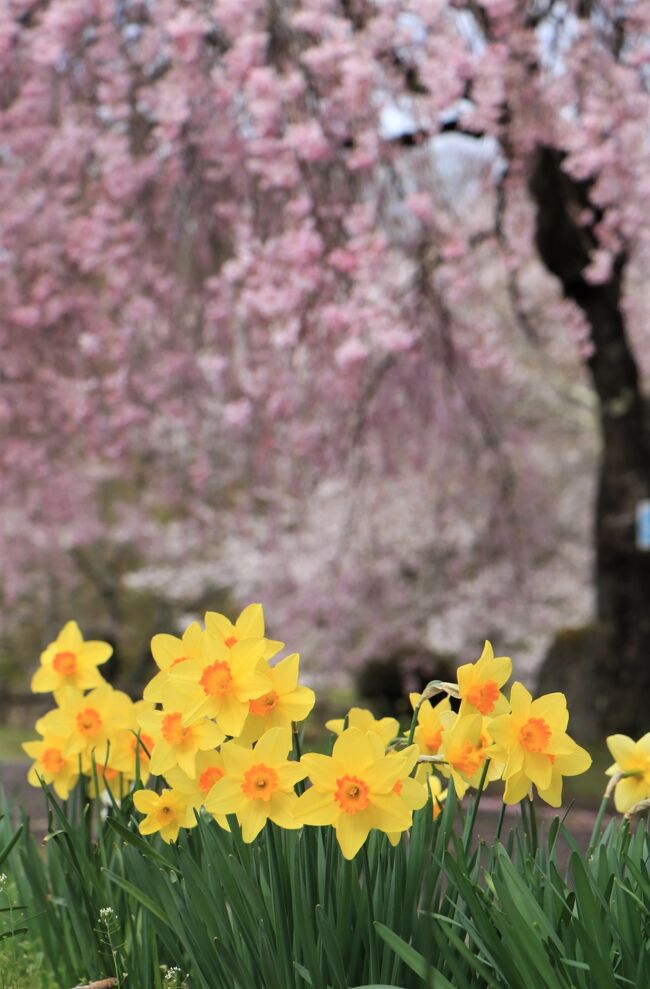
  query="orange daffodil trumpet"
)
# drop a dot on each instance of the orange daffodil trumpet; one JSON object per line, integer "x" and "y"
{"x": 216, "y": 722}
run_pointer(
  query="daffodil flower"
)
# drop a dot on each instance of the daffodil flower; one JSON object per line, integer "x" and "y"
{"x": 480, "y": 683}
{"x": 51, "y": 765}
{"x": 258, "y": 785}
{"x": 177, "y": 741}
{"x": 221, "y": 683}
{"x": 87, "y": 721}
{"x": 533, "y": 742}
{"x": 166, "y": 812}
{"x": 286, "y": 702}
{"x": 249, "y": 625}
{"x": 354, "y": 790}
{"x": 71, "y": 662}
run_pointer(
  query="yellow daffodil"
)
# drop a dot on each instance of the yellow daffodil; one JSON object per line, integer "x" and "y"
{"x": 168, "y": 652}
{"x": 354, "y": 790}
{"x": 429, "y": 728}
{"x": 167, "y": 812}
{"x": 249, "y": 625}
{"x": 633, "y": 759}
{"x": 210, "y": 769}
{"x": 177, "y": 742}
{"x": 464, "y": 746}
{"x": 359, "y": 717}
{"x": 571, "y": 764}
{"x": 480, "y": 684}
{"x": 54, "y": 768}
{"x": 535, "y": 747}
{"x": 287, "y": 701}
{"x": 258, "y": 785}
{"x": 71, "y": 662}
{"x": 222, "y": 682}
{"x": 87, "y": 721}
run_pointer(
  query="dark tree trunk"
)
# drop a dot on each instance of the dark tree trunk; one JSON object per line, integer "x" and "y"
{"x": 619, "y": 691}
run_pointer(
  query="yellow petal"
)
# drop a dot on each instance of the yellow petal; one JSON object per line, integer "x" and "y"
{"x": 145, "y": 801}
{"x": 250, "y": 624}
{"x": 623, "y": 750}
{"x": 285, "y": 673}
{"x": 354, "y": 750}
{"x": 314, "y": 807}
{"x": 629, "y": 792}
{"x": 95, "y": 652}
{"x": 321, "y": 770}
{"x": 225, "y": 797}
{"x": 553, "y": 793}
{"x": 252, "y": 817}
{"x": 274, "y": 746}
{"x": 69, "y": 637}
{"x": 218, "y": 624}
{"x": 538, "y": 769}
{"x": 520, "y": 700}
{"x": 45, "y": 680}
{"x": 552, "y": 708}
{"x": 351, "y": 834}
{"x": 517, "y": 787}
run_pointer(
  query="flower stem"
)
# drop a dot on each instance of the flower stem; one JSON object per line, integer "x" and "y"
{"x": 374, "y": 967}
{"x": 469, "y": 826}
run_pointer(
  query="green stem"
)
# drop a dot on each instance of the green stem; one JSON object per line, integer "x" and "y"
{"x": 374, "y": 965}
{"x": 597, "y": 824}
{"x": 502, "y": 815}
{"x": 533, "y": 825}
{"x": 297, "y": 751}
{"x": 414, "y": 721}
{"x": 273, "y": 840}
{"x": 469, "y": 827}
{"x": 524, "y": 819}
{"x": 529, "y": 819}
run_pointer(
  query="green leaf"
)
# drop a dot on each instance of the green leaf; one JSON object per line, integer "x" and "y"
{"x": 415, "y": 961}
{"x": 143, "y": 846}
{"x": 6, "y": 851}
{"x": 138, "y": 895}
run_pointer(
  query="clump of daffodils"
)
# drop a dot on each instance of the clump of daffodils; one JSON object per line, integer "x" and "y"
{"x": 217, "y": 725}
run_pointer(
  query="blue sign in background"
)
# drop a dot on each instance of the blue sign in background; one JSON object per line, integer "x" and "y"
{"x": 643, "y": 524}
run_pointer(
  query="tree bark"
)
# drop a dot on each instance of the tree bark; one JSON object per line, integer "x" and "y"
{"x": 619, "y": 691}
